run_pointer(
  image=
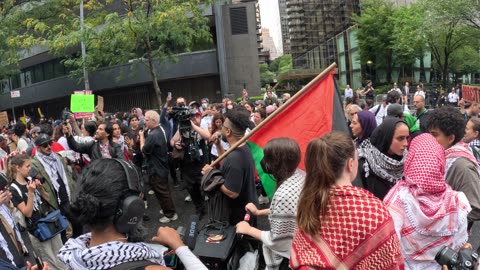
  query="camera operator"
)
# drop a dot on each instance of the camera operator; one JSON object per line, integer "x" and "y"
{"x": 191, "y": 140}
{"x": 109, "y": 203}
{"x": 238, "y": 168}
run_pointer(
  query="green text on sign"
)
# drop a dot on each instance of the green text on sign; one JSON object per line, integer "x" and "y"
{"x": 82, "y": 103}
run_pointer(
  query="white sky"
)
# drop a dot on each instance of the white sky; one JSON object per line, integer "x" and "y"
{"x": 270, "y": 17}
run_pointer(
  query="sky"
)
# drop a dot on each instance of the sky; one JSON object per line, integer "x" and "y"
{"x": 270, "y": 17}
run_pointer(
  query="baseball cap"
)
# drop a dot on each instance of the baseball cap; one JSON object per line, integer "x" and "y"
{"x": 259, "y": 102}
{"x": 193, "y": 103}
{"x": 206, "y": 99}
{"x": 42, "y": 138}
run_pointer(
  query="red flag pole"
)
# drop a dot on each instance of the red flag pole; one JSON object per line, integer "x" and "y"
{"x": 276, "y": 112}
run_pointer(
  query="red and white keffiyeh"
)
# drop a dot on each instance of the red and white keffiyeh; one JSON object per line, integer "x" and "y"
{"x": 459, "y": 150}
{"x": 357, "y": 233}
{"x": 427, "y": 213}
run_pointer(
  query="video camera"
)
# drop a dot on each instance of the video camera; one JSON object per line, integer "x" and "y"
{"x": 182, "y": 116}
{"x": 466, "y": 258}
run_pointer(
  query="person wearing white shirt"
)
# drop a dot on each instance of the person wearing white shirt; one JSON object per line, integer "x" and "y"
{"x": 420, "y": 91}
{"x": 453, "y": 98}
{"x": 395, "y": 88}
{"x": 348, "y": 92}
{"x": 380, "y": 110}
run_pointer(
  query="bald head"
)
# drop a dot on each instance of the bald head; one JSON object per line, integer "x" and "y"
{"x": 419, "y": 102}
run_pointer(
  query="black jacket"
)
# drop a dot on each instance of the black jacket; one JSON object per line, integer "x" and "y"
{"x": 155, "y": 152}
{"x": 92, "y": 149}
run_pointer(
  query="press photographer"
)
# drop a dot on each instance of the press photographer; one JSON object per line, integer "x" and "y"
{"x": 189, "y": 143}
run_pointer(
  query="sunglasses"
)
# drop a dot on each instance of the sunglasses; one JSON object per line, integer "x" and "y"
{"x": 44, "y": 145}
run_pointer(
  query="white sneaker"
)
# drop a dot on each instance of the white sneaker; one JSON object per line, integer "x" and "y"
{"x": 188, "y": 198}
{"x": 263, "y": 199}
{"x": 146, "y": 204}
{"x": 151, "y": 192}
{"x": 167, "y": 220}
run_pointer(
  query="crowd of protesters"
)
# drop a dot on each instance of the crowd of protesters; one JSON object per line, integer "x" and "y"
{"x": 388, "y": 195}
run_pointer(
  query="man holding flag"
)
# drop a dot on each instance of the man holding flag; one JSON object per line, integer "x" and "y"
{"x": 237, "y": 167}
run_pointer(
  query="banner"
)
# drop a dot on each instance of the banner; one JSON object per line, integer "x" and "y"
{"x": 470, "y": 93}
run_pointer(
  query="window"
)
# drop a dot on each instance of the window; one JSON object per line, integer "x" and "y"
{"x": 238, "y": 20}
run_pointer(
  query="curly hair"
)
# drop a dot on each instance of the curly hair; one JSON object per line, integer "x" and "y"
{"x": 449, "y": 120}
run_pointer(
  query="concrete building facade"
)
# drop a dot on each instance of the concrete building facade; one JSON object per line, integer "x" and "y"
{"x": 224, "y": 69}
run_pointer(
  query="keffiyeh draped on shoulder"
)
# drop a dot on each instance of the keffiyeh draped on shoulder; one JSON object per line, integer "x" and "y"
{"x": 427, "y": 213}
{"x": 357, "y": 233}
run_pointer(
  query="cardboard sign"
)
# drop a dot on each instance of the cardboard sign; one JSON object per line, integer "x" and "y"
{"x": 470, "y": 93}
{"x": 100, "y": 103}
{"x": 82, "y": 103}
{"x": 3, "y": 119}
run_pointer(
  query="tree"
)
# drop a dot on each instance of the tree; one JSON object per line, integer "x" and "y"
{"x": 465, "y": 61}
{"x": 408, "y": 41}
{"x": 281, "y": 64}
{"x": 266, "y": 76}
{"x": 375, "y": 39}
{"x": 446, "y": 32}
{"x": 144, "y": 30}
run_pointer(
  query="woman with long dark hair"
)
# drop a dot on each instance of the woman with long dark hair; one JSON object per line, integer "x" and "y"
{"x": 281, "y": 159}
{"x": 340, "y": 226}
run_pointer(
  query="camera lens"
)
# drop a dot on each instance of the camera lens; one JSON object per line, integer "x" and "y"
{"x": 446, "y": 256}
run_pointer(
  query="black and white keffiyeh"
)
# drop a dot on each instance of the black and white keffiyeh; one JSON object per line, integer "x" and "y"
{"x": 381, "y": 165}
{"x": 77, "y": 254}
{"x": 54, "y": 167}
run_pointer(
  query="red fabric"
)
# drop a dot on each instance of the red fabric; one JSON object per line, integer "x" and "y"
{"x": 308, "y": 117}
{"x": 357, "y": 233}
{"x": 56, "y": 148}
{"x": 424, "y": 170}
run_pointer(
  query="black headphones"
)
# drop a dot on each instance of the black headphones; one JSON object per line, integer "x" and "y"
{"x": 130, "y": 208}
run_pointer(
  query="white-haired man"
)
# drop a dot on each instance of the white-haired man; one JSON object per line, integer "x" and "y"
{"x": 155, "y": 150}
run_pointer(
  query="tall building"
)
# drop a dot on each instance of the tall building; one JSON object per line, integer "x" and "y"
{"x": 268, "y": 44}
{"x": 282, "y": 6}
{"x": 222, "y": 68}
{"x": 312, "y": 23}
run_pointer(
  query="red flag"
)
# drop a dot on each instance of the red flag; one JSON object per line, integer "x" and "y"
{"x": 316, "y": 112}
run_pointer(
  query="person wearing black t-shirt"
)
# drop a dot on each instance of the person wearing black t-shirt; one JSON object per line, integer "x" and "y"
{"x": 238, "y": 168}
{"x": 28, "y": 197}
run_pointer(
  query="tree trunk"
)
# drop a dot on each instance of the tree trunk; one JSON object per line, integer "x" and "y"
{"x": 153, "y": 73}
{"x": 445, "y": 72}
{"x": 423, "y": 77}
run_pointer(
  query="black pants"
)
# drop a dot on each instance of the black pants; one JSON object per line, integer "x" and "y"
{"x": 191, "y": 174}
{"x": 164, "y": 196}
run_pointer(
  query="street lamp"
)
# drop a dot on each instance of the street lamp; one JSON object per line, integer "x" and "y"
{"x": 369, "y": 68}
{"x": 84, "y": 54}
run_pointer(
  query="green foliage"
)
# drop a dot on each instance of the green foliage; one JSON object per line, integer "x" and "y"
{"x": 282, "y": 64}
{"x": 465, "y": 60}
{"x": 266, "y": 76}
{"x": 146, "y": 30}
{"x": 375, "y": 39}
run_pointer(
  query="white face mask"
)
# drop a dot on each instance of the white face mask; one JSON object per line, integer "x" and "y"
{"x": 204, "y": 105}
{"x": 230, "y": 107}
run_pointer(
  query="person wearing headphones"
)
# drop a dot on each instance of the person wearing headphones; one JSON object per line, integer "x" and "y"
{"x": 109, "y": 202}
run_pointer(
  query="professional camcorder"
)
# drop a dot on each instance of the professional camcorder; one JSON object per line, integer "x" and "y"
{"x": 182, "y": 116}
{"x": 466, "y": 258}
